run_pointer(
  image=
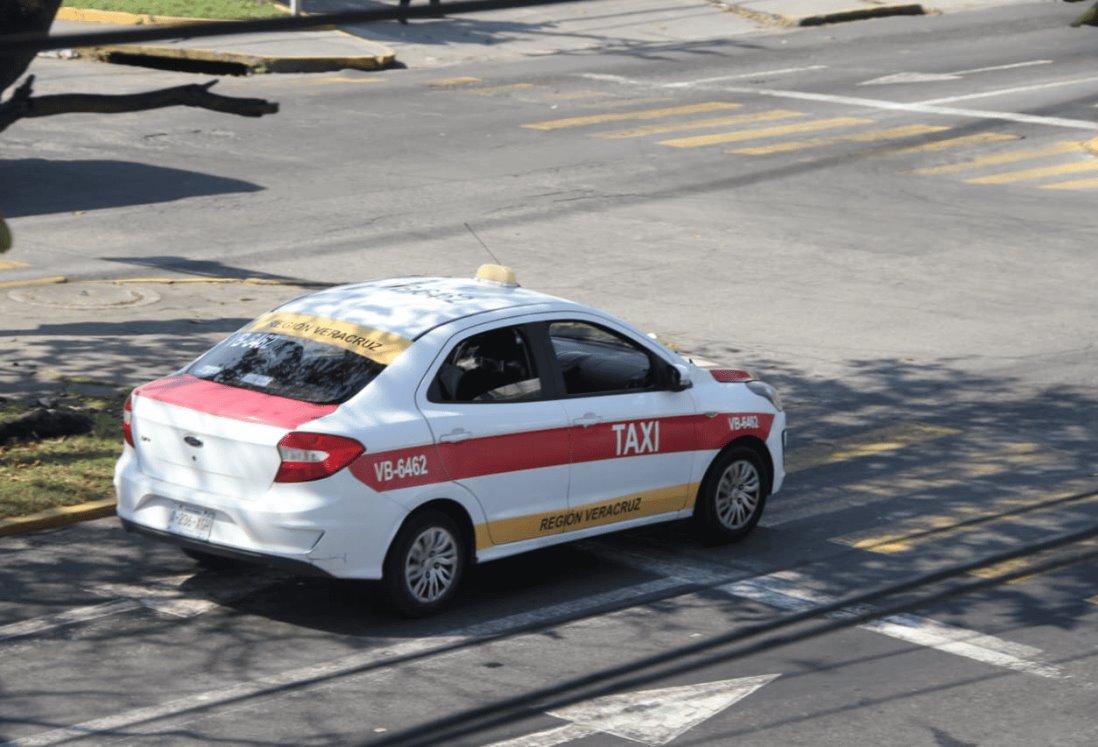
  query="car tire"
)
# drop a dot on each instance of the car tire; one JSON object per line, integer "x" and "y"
{"x": 208, "y": 560}
{"x": 732, "y": 495}
{"x": 425, "y": 564}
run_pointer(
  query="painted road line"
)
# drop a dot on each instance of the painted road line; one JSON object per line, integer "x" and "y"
{"x": 894, "y": 133}
{"x": 1008, "y": 91}
{"x": 10, "y": 264}
{"x": 465, "y": 80}
{"x": 492, "y": 90}
{"x": 621, "y": 103}
{"x": 702, "y": 124}
{"x": 73, "y": 616}
{"x": 870, "y": 443}
{"x": 786, "y": 590}
{"x": 709, "y": 106}
{"x": 867, "y": 103}
{"x": 132, "y": 720}
{"x": 575, "y": 95}
{"x": 764, "y": 132}
{"x": 950, "y": 142}
{"x": 927, "y": 528}
{"x": 1076, "y": 184}
{"x": 1001, "y": 158}
{"x": 1037, "y": 173}
{"x": 741, "y": 76}
{"x": 789, "y": 590}
{"x": 1021, "y": 564}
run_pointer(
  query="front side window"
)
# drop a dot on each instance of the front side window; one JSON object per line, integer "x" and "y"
{"x": 493, "y": 366}
{"x": 594, "y": 360}
{"x": 287, "y": 366}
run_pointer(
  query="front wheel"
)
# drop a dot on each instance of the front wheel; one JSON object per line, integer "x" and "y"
{"x": 425, "y": 564}
{"x": 732, "y": 495}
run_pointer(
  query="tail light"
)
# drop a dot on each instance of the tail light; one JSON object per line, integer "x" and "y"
{"x": 311, "y": 456}
{"x": 127, "y": 420}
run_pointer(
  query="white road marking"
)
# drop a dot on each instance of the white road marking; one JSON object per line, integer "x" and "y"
{"x": 787, "y": 590}
{"x": 651, "y": 717}
{"x": 73, "y": 616}
{"x": 1007, "y": 91}
{"x": 336, "y": 667}
{"x": 955, "y": 75}
{"x": 925, "y": 107}
{"x": 741, "y": 76}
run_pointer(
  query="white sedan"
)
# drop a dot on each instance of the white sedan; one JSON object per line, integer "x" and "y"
{"x": 403, "y": 429}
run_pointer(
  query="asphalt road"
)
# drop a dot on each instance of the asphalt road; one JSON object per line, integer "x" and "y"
{"x": 892, "y": 219}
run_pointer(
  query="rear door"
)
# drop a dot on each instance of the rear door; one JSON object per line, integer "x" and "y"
{"x": 498, "y": 433}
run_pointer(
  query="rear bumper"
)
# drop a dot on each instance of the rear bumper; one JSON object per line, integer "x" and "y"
{"x": 334, "y": 527}
{"x": 297, "y": 567}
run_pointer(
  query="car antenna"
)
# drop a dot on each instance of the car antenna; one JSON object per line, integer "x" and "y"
{"x": 490, "y": 254}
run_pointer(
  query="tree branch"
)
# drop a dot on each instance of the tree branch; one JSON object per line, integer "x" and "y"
{"x": 22, "y": 104}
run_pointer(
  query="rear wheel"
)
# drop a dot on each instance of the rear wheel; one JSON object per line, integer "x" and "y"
{"x": 732, "y": 496}
{"x": 425, "y": 564}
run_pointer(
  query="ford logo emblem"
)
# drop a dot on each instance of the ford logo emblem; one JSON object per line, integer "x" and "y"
{"x": 193, "y": 441}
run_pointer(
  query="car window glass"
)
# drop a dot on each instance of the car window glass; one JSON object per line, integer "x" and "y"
{"x": 493, "y": 366}
{"x": 594, "y": 360}
{"x": 287, "y": 367}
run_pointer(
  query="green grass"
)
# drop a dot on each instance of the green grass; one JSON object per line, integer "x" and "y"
{"x": 214, "y": 9}
{"x": 56, "y": 472}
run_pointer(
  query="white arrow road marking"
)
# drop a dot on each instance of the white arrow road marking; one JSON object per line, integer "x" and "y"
{"x": 956, "y": 75}
{"x": 651, "y": 717}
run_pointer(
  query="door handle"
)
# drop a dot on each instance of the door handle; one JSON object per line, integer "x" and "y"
{"x": 458, "y": 434}
{"x": 587, "y": 419}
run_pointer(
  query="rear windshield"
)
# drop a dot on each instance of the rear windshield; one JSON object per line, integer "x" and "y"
{"x": 287, "y": 367}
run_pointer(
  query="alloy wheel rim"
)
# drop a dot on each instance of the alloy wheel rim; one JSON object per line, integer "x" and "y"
{"x": 738, "y": 494}
{"x": 432, "y": 564}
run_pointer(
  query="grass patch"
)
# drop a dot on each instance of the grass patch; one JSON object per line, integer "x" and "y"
{"x": 55, "y": 472}
{"x": 212, "y": 9}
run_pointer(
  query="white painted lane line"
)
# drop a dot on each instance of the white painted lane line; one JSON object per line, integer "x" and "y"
{"x": 741, "y": 76}
{"x": 1008, "y": 91}
{"x": 788, "y": 590}
{"x": 73, "y": 616}
{"x": 336, "y": 667}
{"x": 1011, "y": 66}
{"x": 783, "y": 590}
{"x": 925, "y": 107}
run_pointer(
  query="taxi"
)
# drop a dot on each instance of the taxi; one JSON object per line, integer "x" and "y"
{"x": 403, "y": 429}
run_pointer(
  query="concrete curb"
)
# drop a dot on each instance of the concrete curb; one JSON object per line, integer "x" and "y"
{"x": 820, "y": 19}
{"x": 57, "y": 517}
{"x": 254, "y": 63}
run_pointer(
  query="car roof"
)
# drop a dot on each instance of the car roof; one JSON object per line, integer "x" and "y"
{"x": 412, "y": 306}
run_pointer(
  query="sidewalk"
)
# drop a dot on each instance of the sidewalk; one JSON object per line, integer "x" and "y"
{"x": 511, "y": 33}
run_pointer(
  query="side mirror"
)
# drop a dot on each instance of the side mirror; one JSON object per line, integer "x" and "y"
{"x": 678, "y": 377}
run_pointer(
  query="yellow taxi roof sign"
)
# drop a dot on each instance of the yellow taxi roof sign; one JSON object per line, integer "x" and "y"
{"x": 497, "y": 274}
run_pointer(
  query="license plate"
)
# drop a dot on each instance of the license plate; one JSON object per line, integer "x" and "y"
{"x": 195, "y": 523}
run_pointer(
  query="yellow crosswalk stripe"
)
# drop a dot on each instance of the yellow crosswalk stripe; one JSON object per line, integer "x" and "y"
{"x": 951, "y": 142}
{"x": 964, "y": 519}
{"x": 1020, "y": 564}
{"x": 1038, "y": 173}
{"x": 1075, "y": 184}
{"x": 489, "y": 90}
{"x": 672, "y": 111}
{"x": 701, "y": 124}
{"x": 622, "y": 103}
{"x": 1000, "y": 158}
{"x": 764, "y": 132}
{"x": 893, "y": 133}
{"x": 464, "y": 80}
{"x": 10, "y": 264}
{"x": 870, "y": 443}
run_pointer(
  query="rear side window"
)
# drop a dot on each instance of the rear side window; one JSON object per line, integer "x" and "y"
{"x": 494, "y": 366}
{"x": 287, "y": 367}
